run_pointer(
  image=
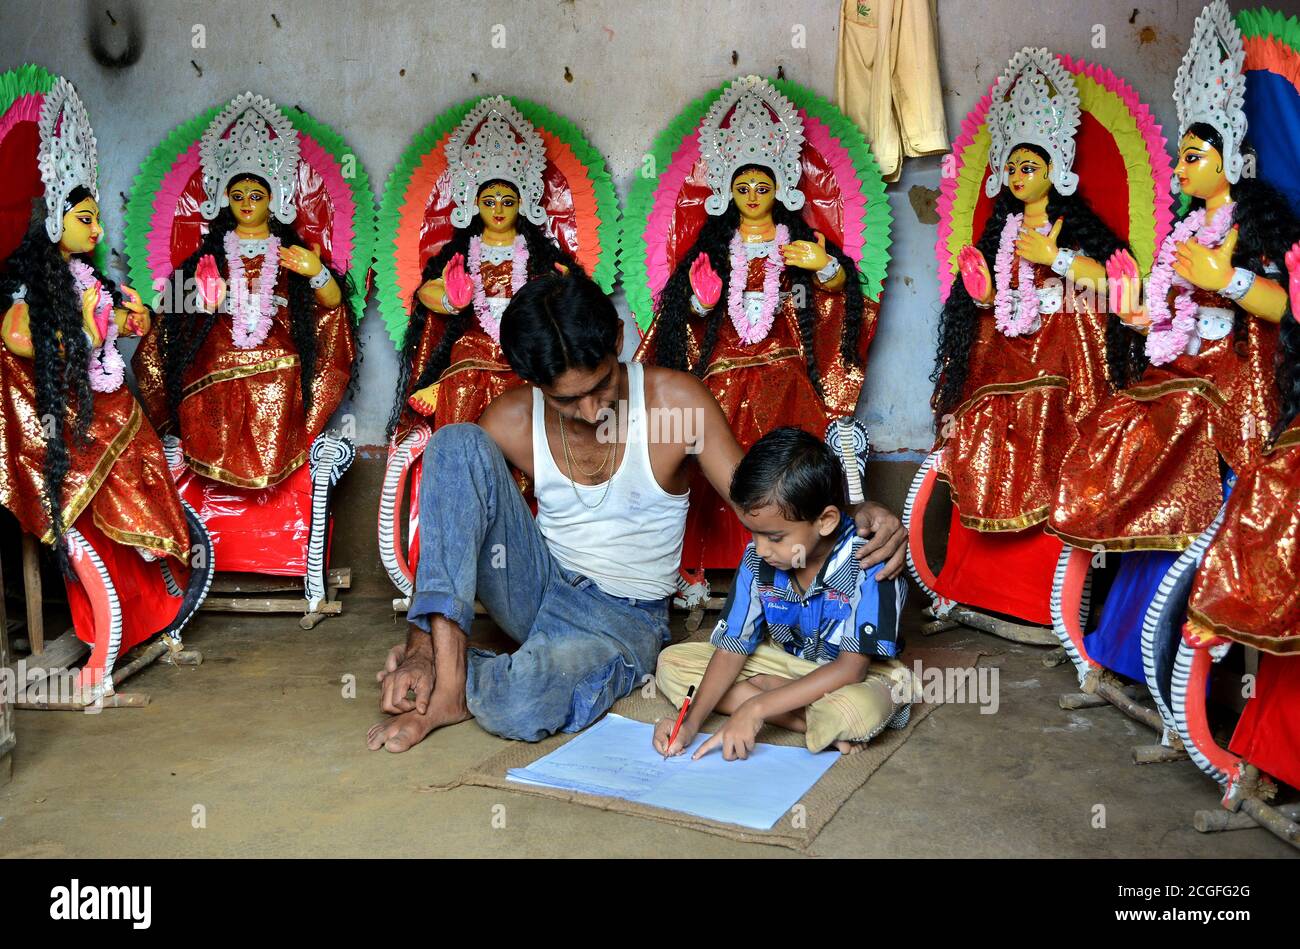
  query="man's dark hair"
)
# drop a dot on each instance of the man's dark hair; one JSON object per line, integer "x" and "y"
{"x": 795, "y": 471}
{"x": 558, "y": 322}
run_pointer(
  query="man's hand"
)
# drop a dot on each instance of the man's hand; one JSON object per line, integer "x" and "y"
{"x": 664, "y": 728}
{"x": 736, "y": 738}
{"x": 886, "y": 539}
{"x": 406, "y": 670}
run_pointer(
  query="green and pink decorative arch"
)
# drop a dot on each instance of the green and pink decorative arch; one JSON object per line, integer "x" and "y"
{"x": 336, "y": 208}
{"x": 841, "y": 180}
{"x": 414, "y": 213}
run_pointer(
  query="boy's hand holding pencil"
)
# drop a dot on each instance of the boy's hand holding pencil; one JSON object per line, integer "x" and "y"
{"x": 673, "y": 736}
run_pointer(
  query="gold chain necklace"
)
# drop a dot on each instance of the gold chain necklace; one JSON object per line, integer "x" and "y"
{"x": 609, "y": 459}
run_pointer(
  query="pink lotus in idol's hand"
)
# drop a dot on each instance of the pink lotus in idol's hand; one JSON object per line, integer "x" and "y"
{"x": 459, "y": 286}
{"x": 212, "y": 289}
{"x": 1293, "y": 267}
{"x": 705, "y": 281}
{"x": 974, "y": 272}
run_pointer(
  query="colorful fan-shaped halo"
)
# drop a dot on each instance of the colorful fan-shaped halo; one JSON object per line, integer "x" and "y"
{"x": 336, "y": 208}
{"x": 1272, "y": 42}
{"x": 22, "y": 92}
{"x": 1118, "y": 140}
{"x": 414, "y": 218}
{"x": 845, "y": 197}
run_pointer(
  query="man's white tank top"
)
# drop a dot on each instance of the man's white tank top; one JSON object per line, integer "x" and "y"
{"x": 629, "y": 544}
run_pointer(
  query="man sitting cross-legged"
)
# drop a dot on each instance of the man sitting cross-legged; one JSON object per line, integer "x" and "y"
{"x": 585, "y": 587}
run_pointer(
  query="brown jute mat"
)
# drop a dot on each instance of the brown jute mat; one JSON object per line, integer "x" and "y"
{"x": 797, "y": 830}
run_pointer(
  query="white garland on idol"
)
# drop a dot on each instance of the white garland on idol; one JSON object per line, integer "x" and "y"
{"x": 251, "y": 314}
{"x": 1170, "y": 332}
{"x": 106, "y": 367}
{"x": 1014, "y": 312}
{"x": 772, "y": 267}
{"x": 518, "y": 277}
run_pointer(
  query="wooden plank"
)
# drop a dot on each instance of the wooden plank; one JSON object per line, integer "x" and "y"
{"x": 62, "y": 654}
{"x": 223, "y": 604}
{"x": 7, "y": 740}
{"x": 32, "y": 590}
{"x": 340, "y": 577}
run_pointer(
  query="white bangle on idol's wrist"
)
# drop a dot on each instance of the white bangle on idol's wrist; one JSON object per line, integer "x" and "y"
{"x": 827, "y": 273}
{"x": 1063, "y": 262}
{"x": 697, "y": 306}
{"x": 321, "y": 278}
{"x": 1240, "y": 284}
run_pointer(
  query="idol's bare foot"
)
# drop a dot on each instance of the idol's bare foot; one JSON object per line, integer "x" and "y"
{"x": 410, "y": 728}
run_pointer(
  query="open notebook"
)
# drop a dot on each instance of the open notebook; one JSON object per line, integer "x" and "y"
{"x": 614, "y": 758}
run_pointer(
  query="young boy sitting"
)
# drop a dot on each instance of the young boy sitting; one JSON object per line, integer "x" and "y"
{"x": 803, "y": 624}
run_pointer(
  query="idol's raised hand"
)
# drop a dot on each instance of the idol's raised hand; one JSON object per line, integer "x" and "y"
{"x": 212, "y": 289}
{"x": 133, "y": 319}
{"x": 705, "y": 282}
{"x": 456, "y": 283}
{"x": 975, "y": 274}
{"x": 806, "y": 254}
{"x": 1293, "y": 268}
{"x": 301, "y": 260}
{"x": 1039, "y": 248}
{"x": 1124, "y": 290}
{"x": 1209, "y": 268}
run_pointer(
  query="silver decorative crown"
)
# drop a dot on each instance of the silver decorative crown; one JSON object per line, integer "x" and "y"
{"x": 495, "y": 141}
{"x": 765, "y": 129}
{"x": 250, "y": 136}
{"x": 1211, "y": 86}
{"x": 1035, "y": 102}
{"x": 66, "y": 156}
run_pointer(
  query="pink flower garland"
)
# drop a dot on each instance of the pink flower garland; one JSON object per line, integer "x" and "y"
{"x": 1014, "y": 317}
{"x": 772, "y": 268}
{"x": 106, "y": 367}
{"x": 1171, "y": 332}
{"x": 518, "y": 277}
{"x": 251, "y": 315}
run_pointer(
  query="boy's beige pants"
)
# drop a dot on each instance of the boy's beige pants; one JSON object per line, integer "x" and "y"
{"x": 855, "y": 712}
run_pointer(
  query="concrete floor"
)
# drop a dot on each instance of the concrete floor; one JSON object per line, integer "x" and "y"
{"x": 261, "y": 741}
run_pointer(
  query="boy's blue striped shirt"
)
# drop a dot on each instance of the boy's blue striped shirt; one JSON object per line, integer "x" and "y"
{"x": 845, "y": 610}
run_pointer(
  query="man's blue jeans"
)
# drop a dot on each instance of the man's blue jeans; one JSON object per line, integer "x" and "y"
{"x": 580, "y": 648}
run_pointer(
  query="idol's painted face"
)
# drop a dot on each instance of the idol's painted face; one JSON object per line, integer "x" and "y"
{"x": 498, "y": 205}
{"x": 786, "y": 544}
{"x": 81, "y": 228}
{"x": 1200, "y": 168}
{"x": 249, "y": 202}
{"x": 754, "y": 193}
{"x": 1028, "y": 175}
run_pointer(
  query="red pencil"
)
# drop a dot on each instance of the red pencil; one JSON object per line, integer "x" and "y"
{"x": 681, "y": 716}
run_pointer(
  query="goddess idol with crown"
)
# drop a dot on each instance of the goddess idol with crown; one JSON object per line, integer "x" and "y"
{"x": 753, "y": 254}
{"x": 246, "y": 221}
{"x": 495, "y": 192}
{"x": 1025, "y": 350}
{"x": 1237, "y": 586}
{"x": 80, "y": 467}
{"x": 1149, "y": 470}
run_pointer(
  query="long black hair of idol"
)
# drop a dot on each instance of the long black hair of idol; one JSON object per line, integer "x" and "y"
{"x": 182, "y": 333}
{"x": 1288, "y": 373}
{"x": 65, "y": 402}
{"x": 543, "y": 255}
{"x": 673, "y": 309}
{"x": 1081, "y": 230}
{"x": 1266, "y": 229}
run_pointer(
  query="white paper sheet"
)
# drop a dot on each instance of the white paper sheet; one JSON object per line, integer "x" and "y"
{"x": 614, "y": 758}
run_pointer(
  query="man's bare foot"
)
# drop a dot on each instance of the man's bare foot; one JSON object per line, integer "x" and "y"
{"x": 849, "y": 747}
{"x": 410, "y": 728}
